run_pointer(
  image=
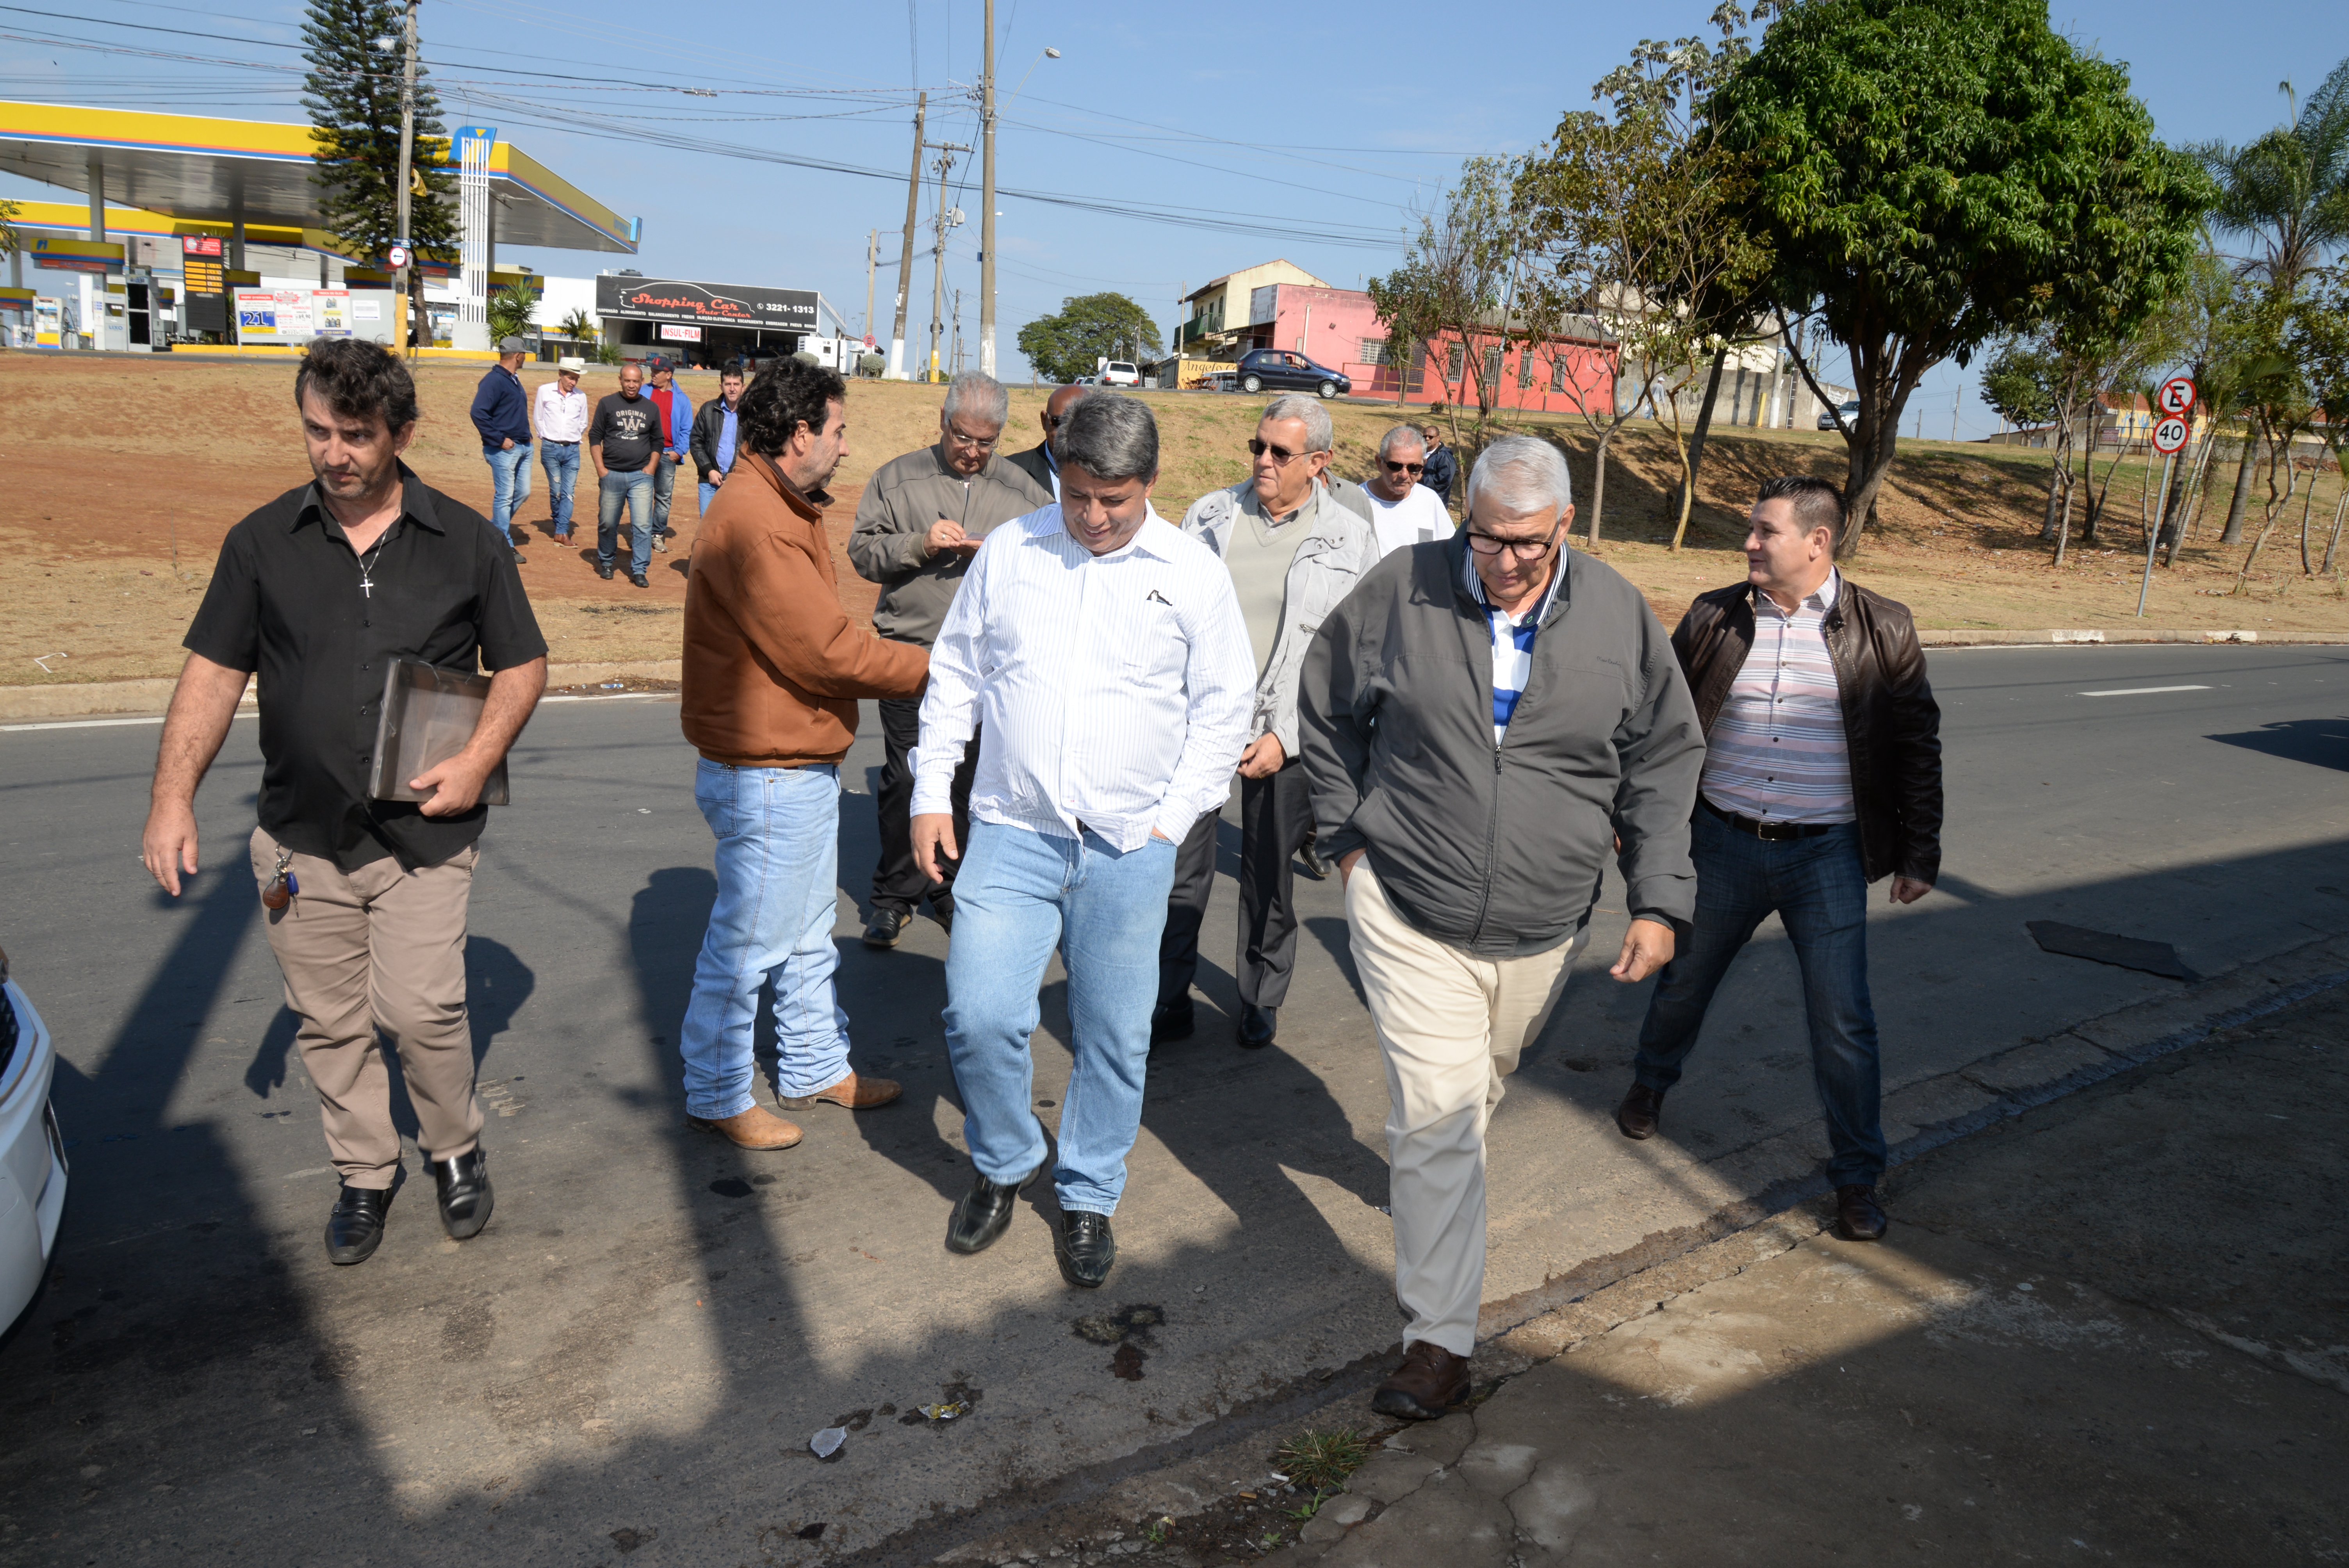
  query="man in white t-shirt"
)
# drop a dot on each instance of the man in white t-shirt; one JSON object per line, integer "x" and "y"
{"x": 1405, "y": 510}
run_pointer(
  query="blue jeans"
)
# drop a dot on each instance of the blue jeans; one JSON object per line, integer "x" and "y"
{"x": 1819, "y": 890}
{"x": 663, "y": 486}
{"x": 708, "y": 494}
{"x": 561, "y": 460}
{"x": 1021, "y": 895}
{"x": 509, "y": 484}
{"x": 777, "y": 853}
{"x": 637, "y": 488}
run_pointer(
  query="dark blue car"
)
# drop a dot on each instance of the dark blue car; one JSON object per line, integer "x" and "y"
{"x": 1285, "y": 372}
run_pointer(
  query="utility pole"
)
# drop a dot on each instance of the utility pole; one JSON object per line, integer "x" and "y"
{"x": 871, "y": 256}
{"x": 946, "y": 150}
{"x": 958, "y": 333}
{"x": 406, "y": 174}
{"x": 986, "y": 207}
{"x": 1954, "y": 395}
{"x": 906, "y": 259}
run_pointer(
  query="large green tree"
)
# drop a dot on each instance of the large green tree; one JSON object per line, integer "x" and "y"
{"x": 1932, "y": 174}
{"x": 1088, "y": 328}
{"x": 352, "y": 96}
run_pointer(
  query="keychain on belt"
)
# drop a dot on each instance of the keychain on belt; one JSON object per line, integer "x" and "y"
{"x": 283, "y": 885}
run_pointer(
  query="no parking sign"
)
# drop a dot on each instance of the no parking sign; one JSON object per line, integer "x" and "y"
{"x": 2176, "y": 397}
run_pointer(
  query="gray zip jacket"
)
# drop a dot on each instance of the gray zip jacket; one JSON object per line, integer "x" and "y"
{"x": 1499, "y": 849}
{"x": 901, "y": 501}
{"x": 1342, "y": 544}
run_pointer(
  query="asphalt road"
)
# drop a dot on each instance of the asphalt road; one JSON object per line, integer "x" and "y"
{"x": 630, "y": 1361}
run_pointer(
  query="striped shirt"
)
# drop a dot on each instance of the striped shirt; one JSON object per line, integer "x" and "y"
{"x": 1513, "y": 639}
{"x": 1110, "y": 693}
{"x": 1776, "y": 751}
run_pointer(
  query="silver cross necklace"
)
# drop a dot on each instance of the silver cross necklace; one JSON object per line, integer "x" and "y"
{"x": 367, "y": 563}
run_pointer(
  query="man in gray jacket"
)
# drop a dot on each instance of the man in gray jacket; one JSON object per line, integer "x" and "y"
{"x": 1295, "y": 540}
{"x": 920, "y": 521}
{"x": 1484, "y": 720}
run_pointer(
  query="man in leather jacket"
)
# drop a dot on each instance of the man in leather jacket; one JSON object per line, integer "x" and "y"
{"x": 1823, "y": 773}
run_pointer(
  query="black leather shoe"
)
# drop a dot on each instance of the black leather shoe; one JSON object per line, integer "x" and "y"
{"x": 984, "y": 1213}
{"x": 1085, "y": 1247}
{"x": 1171, "y": 1021}
{"x": 463, "y": 1182}
{"x": 1642, "y": 1111}
{"x": 603, "y": 570}
{"x": 943, "y": 913}
{"x": 1257, "y": 1026}
{"x": 1309, "y": 860}
{"x": 520, "y": 559}
{"x": 637, "y": 580}
{"x": 1858, "y": 1216}
{"x": 888, "y": 925}
{"x": 356, "y": 1224}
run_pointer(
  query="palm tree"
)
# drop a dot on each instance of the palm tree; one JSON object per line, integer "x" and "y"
{"x": 578, "y": 326}
{"x": 510, "y": 311}
{"x": 2289, "y": 190}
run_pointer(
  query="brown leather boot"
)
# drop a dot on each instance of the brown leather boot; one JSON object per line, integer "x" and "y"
{"x": 1858, "y": 1216}
{"x": 757, "y": 1128}
{"x": 1641, "y": 1109}
{"x": 852, "y": 1092}
{"x": 1430, "y": 1381}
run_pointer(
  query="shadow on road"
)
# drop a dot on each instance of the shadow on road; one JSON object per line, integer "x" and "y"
{"x": 2321, "y": 742}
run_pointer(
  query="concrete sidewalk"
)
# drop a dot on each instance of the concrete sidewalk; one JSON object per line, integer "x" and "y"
{"x": 2110, "y": 1329}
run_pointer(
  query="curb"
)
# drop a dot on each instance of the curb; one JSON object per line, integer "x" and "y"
{"x": 1950, "y": 638}
{"x": 87, "y": 699}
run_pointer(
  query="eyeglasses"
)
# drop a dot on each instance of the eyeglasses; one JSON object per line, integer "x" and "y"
{"x": 1396, "y": 467}
{"x": 973, "y": 443}
{"x": 1520, "y": 548}
{"x": 1280, "y": 454}
{"x": 1054, "y": 421}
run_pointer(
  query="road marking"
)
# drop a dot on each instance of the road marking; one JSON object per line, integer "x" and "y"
{"x": 2142, "y": 691}
{"x": 98, "y": 723}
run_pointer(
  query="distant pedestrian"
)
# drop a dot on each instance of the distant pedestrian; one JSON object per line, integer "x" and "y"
{"x": 773, "y": 669}
{"x": 923, "y": 516}
{"x": 1442, "y": 468}
{"x": 1471, "y": 804}
{"x": 364, "y": 899}
{"x": 501, "y": 415}
{"x": 625, "y": 440}
{"x": 1294, "y": 539}
{"x": 677, "y": 437}
{"x": 561, "y": 413}
{"x": 1038, "y": 461}
{"x": 1822, "y": 774}
{"x": 717, "y": 434}
{"x": 1100, "y": 655}
{"x": 1408, "y": 511}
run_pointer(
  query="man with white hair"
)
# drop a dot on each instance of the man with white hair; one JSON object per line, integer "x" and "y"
{"x": 1407, "y": 510}
{"x": 1296, "y": 539}
{"x": 922, "y": 517}
{"x": 1470, "y": 805}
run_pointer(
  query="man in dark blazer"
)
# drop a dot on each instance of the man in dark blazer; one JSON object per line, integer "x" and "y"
{"x": 1037, "y": 461}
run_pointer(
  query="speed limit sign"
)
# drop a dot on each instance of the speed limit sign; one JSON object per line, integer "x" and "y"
{"x": 2169, "y": 435}
{"x": 2176, "y": 397}
{"x": 397, "y": 257}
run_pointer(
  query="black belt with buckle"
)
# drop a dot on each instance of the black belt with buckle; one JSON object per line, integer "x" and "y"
{"x": 1769, "y": 832}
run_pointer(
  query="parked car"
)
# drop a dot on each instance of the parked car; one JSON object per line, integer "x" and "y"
{"x": 1285, "y": 372}
{"x": 32, "y": 1151}
{"x": 1121, "y": 373}
{"x": 1850, "y": 412}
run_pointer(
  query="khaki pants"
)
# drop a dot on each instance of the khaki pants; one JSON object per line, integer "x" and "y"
{"x": 1450, "y": 1025}
{"x": 379, "y": 949}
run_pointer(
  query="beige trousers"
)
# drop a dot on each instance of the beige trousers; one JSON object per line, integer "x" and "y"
{"x": 379, "y": 949}
{"x": 1451, "y": 1026}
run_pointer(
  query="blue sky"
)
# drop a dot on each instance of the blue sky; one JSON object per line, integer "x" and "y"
{"x": 1219, "y": 133}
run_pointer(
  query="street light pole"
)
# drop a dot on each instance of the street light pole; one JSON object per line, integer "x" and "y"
{"x": 906, "y": 258}
{"x": 987, "y": 204}
{"x": 407, "y": 174}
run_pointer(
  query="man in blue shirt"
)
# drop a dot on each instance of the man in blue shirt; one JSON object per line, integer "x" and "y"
{"x": 677, "y": 425}
{"x": 502, "y": 415}
{"x": 711, "y": 443}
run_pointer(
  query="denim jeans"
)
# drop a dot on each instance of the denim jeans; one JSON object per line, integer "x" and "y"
{"x": 663, "y": 486}
{"x": 1819, "y": 890}
{"x": 637, "y": 490}
{"x": 777, "y": 853}
{"x": 561, "y": 460}
{"x": 1020, "y": 895}
{"x": 708, "y": 494}
{"x": 509, "y": 484}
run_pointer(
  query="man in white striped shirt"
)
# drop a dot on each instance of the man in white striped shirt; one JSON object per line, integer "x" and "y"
{"x": 1822, "y": 773}
{"x": 1101, "y": 658}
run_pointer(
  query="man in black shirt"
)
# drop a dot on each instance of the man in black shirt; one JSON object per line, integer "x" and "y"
{"x": 318, "y": 592}
{"x": 625, "y": 439}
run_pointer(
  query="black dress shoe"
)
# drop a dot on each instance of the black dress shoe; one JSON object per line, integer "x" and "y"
{"x": 1171, "y": 1021}
{"x": 1309, "y": 860}
{"x": 984, "y": 1213}
{"x": 941, "y": 910}
{"x": 1257, "y": 1026}
{"x": 1085, "y": 1247}
{"x": 637, "y": 580}
{"x": 603, "y": 570}
{"x": 888, "y": 925}
{"x": 520, "y": 559}
{"x": 463, "y": 1181}
{"x": 356, "y": 1224}
{"x": 1641, "y": 1112}
{"x": 1858, "y": 1216}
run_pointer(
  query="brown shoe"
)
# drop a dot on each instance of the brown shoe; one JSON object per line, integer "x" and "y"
{"x": 1858, "y": 1216}
{"x": 852, "y": 1092}
{"x": 757, "y": 1128}
{"x": 1430, "y": 1381}
{"x": 1641, "y": 1109}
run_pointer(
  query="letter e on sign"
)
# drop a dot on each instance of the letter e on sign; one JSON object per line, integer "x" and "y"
{"x": 2169, "y": 436}
{"x": 2177, "y": 395}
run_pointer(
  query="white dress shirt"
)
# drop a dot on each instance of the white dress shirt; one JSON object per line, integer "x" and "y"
{"x": 1111, "y": 692}
{"x": 1776, "y": 750}
{"x": 560, "y": 419}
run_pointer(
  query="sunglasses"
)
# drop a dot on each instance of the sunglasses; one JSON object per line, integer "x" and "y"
{"x": 1396, "y": 467}
{"x": 1280, "y": 454}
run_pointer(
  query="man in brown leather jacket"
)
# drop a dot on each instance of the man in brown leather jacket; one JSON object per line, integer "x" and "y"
{"x": 774, "y": 668}
{"x": 1822, "y": 774}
